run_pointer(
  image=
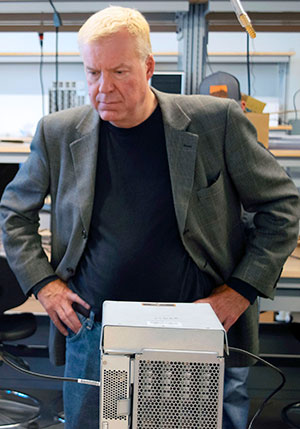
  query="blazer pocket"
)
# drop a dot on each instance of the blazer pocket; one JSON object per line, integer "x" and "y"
{"x": 212, "y": 200}
{"x": 217, "y": 203}
{"x": 219, "y": 223}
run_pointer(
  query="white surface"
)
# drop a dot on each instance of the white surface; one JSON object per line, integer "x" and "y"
{"x": 173, "y": 315}
{"x": 131, "y": 327}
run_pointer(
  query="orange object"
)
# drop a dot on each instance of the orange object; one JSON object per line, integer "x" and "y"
{"x": 219, "y": 91}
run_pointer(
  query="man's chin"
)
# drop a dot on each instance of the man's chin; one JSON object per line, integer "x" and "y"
{"x": 107, "y": 115}
{"x": 112, "y": 117}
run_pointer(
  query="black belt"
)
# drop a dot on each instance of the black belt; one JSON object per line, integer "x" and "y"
{"x": 86, "y": 313}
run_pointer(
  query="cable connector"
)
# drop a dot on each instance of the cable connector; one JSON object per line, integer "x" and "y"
{"x": 246, "y": 23}
{"x": 57, "y": 22}
{"x": 243, "y": 18}
{"x": 41, "y": 39}
{"x": 89, "y": 382}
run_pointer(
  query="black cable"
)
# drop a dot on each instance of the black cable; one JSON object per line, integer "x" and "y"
{"x": 41, "y": 38}
{"x": 47, "y": 376}
{"x": 26, "y": 371}
{"x": 97, "y": 383}
{"x": 248, "y": 64}
{"x": 56, "y": 69}
{"x": 57, "y": 23}
{"x": 260, "y": 409}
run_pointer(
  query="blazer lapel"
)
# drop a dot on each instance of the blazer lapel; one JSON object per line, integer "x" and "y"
{"x": 182, "y": 151}
{"x": 84, "y": 152}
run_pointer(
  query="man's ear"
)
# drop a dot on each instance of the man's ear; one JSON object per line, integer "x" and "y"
{"x": 150, "y": 65}
{"x": 243, "y": 105}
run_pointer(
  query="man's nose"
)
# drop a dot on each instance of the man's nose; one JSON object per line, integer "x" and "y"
{"x": 105, "y": 83}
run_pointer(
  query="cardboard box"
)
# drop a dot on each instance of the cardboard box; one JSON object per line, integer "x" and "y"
{"x": 253, "y": 105}
{"x": 266, "y": 317}
{"x": 261, "y": 123}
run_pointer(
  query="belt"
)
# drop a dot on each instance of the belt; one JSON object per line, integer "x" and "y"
{"x": 86, "y": 313}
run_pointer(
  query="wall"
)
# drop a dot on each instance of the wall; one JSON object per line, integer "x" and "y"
{"x": 20, "y": 89}
{"x": 20, "y": 99}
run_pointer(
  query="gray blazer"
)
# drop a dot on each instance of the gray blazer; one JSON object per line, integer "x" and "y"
{"x": 216, "y": 167}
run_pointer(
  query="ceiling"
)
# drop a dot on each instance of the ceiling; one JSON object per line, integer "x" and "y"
{"x": 37, "y": 15}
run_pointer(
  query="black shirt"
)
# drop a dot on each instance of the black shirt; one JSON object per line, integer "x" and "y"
{"x": 134, "y": 251}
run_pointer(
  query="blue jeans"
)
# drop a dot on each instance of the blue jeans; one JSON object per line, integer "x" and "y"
{"x": 236, "y": 400}
{"x": 81, "y": 402}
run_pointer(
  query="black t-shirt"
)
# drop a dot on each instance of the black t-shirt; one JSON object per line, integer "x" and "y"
{"x": 134, "y": 251}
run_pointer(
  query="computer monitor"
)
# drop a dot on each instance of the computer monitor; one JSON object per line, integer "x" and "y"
{"x": 172, "y": 82}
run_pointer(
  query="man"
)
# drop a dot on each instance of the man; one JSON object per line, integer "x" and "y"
{"x": 146, "y": 194}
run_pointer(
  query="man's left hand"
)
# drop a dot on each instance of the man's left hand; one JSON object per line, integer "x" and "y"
{"x": 228, "y": 304}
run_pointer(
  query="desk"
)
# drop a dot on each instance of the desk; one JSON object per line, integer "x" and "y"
{"x": 287, "y": 296}
{"x": 13, "y": 153}
{"x": 287, "y": 157}
{"x": 18, "y": 152}
{"x": 32, "y": 305}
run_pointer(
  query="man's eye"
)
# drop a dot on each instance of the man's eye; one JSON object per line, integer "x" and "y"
{"x": 93, "y": 73}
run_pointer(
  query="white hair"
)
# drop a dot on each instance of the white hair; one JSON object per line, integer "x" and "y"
{"x": 113, "y": 19}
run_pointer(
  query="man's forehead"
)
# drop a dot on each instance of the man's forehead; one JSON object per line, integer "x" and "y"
{"x": 95, "y": 56}
{"x": 114, "y": 65}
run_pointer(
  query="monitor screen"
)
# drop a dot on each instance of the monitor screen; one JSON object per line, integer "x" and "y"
{"x": 172, "y": 82}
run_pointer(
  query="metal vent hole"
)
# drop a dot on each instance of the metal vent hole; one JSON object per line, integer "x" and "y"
{"x": 115, "y": 388}
{"x": 177, "y": 395}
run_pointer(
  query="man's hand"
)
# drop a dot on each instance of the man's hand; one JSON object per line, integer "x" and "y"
{"x": 57, "y": 299}
{"x": 228, "y": 304}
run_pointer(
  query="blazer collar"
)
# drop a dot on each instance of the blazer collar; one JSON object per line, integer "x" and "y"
{"x": 84, "y": 152}
{"x": 173, "y": 115}
{"x": 89, "y": 121}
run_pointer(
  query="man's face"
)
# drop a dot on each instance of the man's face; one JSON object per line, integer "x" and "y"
{"x": 118, "y": 80}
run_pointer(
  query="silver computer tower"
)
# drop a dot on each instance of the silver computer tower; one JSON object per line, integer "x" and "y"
{"x": 162, "y": 366}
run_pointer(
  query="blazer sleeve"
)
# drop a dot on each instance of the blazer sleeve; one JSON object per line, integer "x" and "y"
{"x": 19, "y": 214}
{"x": 265, "y": 190}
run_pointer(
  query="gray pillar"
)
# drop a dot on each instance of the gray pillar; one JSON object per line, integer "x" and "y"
{"x": 192, "y": 37}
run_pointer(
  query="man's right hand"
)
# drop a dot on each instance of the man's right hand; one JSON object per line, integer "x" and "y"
{"x": 57, "y": 299}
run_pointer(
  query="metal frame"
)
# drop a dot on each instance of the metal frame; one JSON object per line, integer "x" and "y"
{"x": 192, "y": 36}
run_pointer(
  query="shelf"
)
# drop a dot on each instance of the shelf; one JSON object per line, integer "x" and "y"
{"x": 37, "y": 16}
{"x": 281, "y": 128}
{"x": 255, "y": 57}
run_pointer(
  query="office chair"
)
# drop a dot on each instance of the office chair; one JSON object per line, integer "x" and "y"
{"x": 17, "y": 409}
{"x": 7, "y": 173}
{"x": 221, "y": 84}
{"x": 290, "y": 414}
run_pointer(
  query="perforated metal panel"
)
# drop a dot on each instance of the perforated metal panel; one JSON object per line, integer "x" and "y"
{"x": 174, "y": 391}
{"x": 115, "y": 386}
{"x": 115, "y": 382}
